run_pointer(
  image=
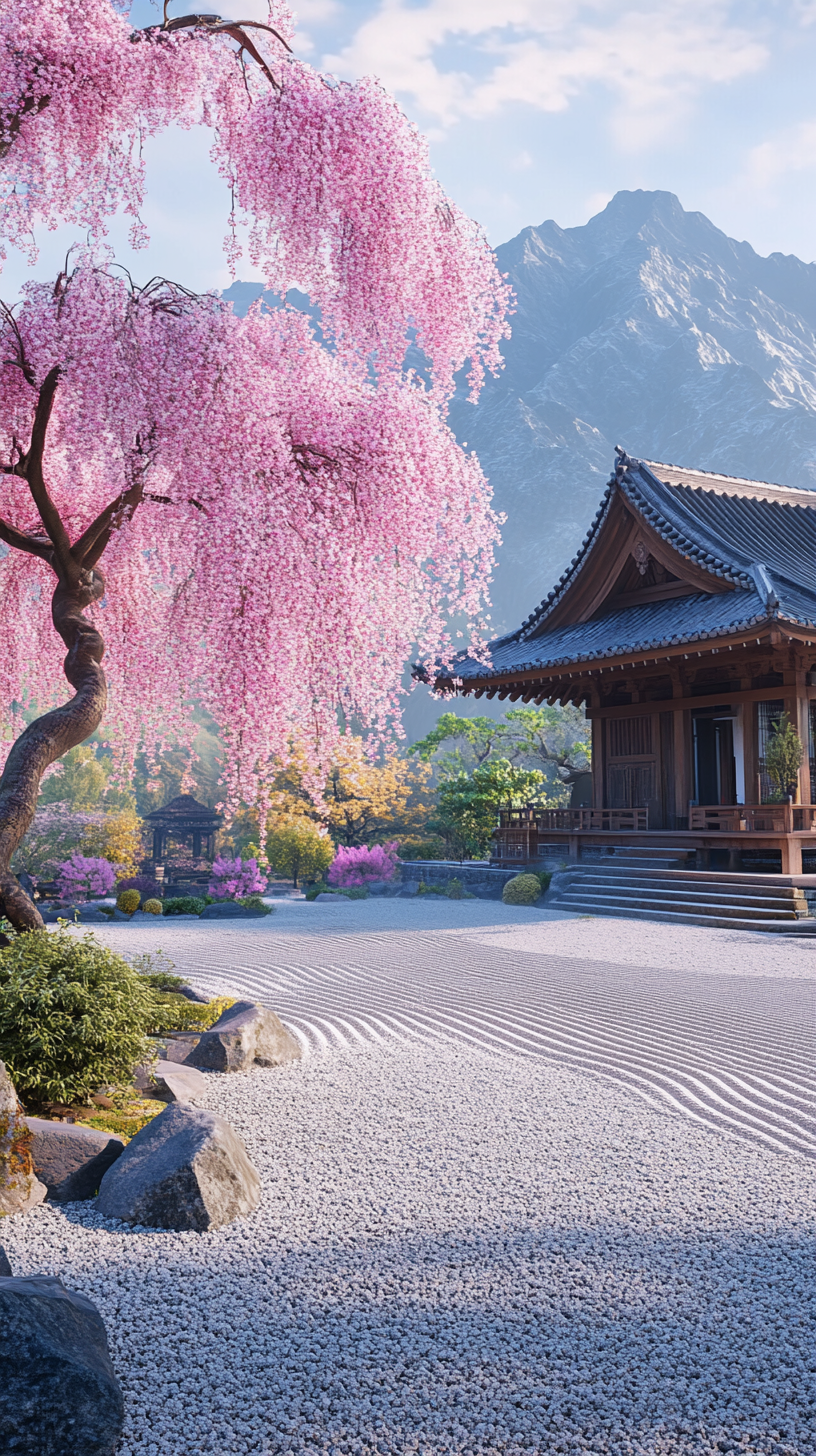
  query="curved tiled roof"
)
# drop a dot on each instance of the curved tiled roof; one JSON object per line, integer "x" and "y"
{"x": 759, "y": 538}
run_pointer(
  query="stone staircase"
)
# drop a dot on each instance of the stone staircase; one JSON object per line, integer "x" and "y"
{"x": 649, "y": 884}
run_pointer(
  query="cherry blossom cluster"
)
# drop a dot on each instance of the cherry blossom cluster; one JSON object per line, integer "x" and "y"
{"x": 83, "y": 876}
{"x": 360, "y": 864}
{"x": 233, "y": 878}
{"x": 301, "y": 528}
{"x": 334, "y": 181}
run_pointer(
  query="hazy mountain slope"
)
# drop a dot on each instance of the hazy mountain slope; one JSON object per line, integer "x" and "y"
{"x": 647, "y": 327}
{"x": 650, "y": 328}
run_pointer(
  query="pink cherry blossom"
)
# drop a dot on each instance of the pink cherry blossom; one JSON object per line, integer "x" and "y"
{"x": 302, "y": 531}
{"x": 240, "y": 513}
{"x": 82, "y": 876}
{"x": 360, "y": 864}
{"x": 233, "y": 878}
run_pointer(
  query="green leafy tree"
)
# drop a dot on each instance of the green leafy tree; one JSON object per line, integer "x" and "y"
{"x": 784, "y": 757}
{"x": 79, "y": 779}
{"x": 300, "y": 851}
{"x": 555, "y": 740}
{"x": 476, "y": 740}
{"x": 469, "y": 804}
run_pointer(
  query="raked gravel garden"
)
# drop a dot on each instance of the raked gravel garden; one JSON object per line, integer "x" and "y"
{"x": 466, "y": 1246}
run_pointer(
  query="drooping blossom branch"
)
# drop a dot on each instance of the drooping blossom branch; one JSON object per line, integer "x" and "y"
{"x": 278, "y": 532}
{"x": 333, "y": 180}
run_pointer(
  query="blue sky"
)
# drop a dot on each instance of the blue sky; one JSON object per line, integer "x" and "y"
{"x": 542, "y": 109}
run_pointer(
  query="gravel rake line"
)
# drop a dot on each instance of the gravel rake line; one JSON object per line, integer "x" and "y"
{"x": 729, "y": 1067}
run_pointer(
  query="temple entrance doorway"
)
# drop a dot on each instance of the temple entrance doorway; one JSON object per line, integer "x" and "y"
{"x": 715, "y": 769}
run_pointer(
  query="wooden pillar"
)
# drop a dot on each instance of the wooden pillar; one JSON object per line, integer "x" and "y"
{"x": 682, "y": 756}
{"x": 800, "y": 720}
{"x": 598, "y": 770}
{"x": 574, "y": 848}
{"x": 750, "y": 750}
{"x": 791, "y": 856}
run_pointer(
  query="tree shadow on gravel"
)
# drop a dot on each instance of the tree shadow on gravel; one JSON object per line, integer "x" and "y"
{"x": 605, "y": 1340}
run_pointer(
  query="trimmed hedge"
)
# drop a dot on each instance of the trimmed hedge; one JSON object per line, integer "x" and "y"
{"x": 522, "y": 890}
{"x": 185, "y": 904}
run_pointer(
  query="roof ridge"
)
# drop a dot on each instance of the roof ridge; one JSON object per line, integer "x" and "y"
{"x": 715, "y": 475}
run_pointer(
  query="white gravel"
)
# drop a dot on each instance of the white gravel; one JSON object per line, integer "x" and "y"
{"x": 457, "y": 1253}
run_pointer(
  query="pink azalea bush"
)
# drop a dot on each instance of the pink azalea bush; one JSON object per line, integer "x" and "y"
{"x": 359, "y": 866}
{"x": 83, "y": 877}
{"x": 233, "y": 878}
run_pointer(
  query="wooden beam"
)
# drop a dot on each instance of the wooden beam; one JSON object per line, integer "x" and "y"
{"x": 711, "y": 700}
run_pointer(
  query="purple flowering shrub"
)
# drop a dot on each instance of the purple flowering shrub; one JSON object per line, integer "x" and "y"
{"x": 148, "y": 888}
{"x": 232, "y": 879}
{"x": 358, "y": 866}
{"x": 82, "y": 877}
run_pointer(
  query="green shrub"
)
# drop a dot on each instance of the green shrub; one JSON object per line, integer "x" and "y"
{"x": 350, "y": 892}
{"x": 176, "y": 1013}
{"x": 522, "y": 890}
{"x": 153, "y": 907}
{"x": 157, "y": 969}
{"x": 73, "y": 1015}
{"x": 430, "y": 889}
{"x": 185, "y": 904}
{"x": 254, "y": 902}
{"x": 427, "y": 849}
{"x": 455, "y": 890}
{"x": 544, "y": 877}
{"x": 128, "y": 901}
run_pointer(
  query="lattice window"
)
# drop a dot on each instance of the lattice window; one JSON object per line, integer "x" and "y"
{"x": 630, "y": 737}
{"x": 768, "y": 715}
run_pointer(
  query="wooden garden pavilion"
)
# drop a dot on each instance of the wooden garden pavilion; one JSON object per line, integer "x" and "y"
{"x": 184, "y": 819}
{"x": 686, "y": 625}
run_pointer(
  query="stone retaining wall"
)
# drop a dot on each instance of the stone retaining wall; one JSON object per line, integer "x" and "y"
{"x": 477, "y": 876}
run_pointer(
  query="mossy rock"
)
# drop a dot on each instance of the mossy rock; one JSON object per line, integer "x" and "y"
{"x": 522, "y": 890}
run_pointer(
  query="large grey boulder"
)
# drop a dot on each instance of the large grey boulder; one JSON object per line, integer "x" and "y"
{"x": 59, "y": 1395}
{"x": 71, "y": 1161}
{"x": 20, "y": 1189}
{"x": 243, "y": 1034}
{"x": 178, "y": 1047}
{"x": 187, "y": 1169}
{"x": 177, "y": 1082}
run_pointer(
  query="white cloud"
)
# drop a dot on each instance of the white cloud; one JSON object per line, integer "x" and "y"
{"x": 522, "y": 162}
{"x": 457, "y": 61}
{"x": 792, "y": 150}
{"x": 596, "y": 202}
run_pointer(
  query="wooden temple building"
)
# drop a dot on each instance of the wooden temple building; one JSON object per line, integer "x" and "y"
{"x": 686, "y": 625}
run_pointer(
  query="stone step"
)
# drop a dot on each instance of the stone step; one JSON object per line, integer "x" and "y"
{"x": 766, "y": 883}
{"x": 704, "y": 908}
{"x": 648, "y": 890}
{"x": 676, "y": 917}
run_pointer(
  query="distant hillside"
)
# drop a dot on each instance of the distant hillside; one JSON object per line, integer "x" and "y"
{"x": 650, "y": 328}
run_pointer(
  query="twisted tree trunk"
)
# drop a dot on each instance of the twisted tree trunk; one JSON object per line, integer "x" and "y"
{"x": 49, "y": 737}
